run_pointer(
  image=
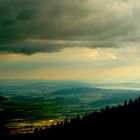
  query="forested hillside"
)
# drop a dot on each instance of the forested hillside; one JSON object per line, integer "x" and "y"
{"x": 114, "y": 122}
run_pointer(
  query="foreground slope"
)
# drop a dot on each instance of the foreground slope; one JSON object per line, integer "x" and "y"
{"x": 115, "y": 122}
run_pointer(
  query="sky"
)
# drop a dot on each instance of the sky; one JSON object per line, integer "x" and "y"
{"x": 97, "y": 40}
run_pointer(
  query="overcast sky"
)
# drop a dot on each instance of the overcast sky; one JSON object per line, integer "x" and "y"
{"x": 95, "y": 40}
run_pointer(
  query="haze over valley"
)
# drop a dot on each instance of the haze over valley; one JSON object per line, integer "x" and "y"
{"x": 29, "y": 104}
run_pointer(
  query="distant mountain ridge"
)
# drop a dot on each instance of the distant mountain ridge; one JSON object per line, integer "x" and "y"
{"x": 77, "y": 90}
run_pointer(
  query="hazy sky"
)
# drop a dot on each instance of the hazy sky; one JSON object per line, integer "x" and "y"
{"x": 95, "y": 40}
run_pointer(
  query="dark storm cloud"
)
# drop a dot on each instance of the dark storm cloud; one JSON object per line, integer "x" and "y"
{"x": 35, "y": 46}
{"x": 82, "y": 23}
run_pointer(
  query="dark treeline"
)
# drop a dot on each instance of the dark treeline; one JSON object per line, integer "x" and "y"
{"x": 115, "y": 122}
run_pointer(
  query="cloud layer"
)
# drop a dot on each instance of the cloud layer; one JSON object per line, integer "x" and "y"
{"x": 32, "y": 26}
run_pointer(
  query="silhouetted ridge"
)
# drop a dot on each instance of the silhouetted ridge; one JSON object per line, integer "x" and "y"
{"x": 115, "y": 122}
{"x": 2, "y": 98}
